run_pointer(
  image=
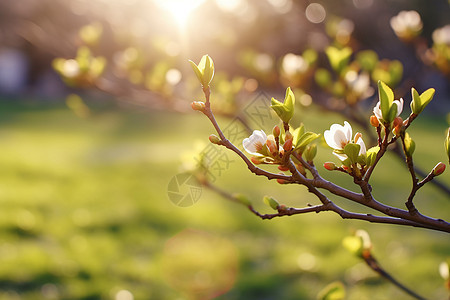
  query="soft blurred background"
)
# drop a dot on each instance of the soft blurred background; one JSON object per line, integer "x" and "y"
{"x": 95, "y": 126}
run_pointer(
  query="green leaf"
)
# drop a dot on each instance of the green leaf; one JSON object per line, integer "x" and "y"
{"x": 298, "y": 132}
{"x": 305, "y": 139}
{"x": 204, "y": 70}
{"x": 392, "y": 113}
{"x": 289, "y": 101}
{"x": 352, "y": 151}
{"x": 386, "y": 96}
{"x": 208, "y": 72}
{"x": 285, "y": 111}
{"x": 197, "y": 71}
{"x": 371, "y": 155}
{"x": 419, "y": 103}
{"x": 333, "y": 291}
{"x": 426, "y": 97}
{"x": 410, "y": 145}
{"x": 271, "y": 202}
{"x": 415, "y": 103}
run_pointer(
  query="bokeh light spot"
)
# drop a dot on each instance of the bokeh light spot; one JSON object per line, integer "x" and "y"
{"x": 315, "y": 13}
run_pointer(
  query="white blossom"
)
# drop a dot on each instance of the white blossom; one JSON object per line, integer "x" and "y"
{"x": 377, "y": 109}
{"x": 338, "y": 136}
{"x": 254, "y": 143}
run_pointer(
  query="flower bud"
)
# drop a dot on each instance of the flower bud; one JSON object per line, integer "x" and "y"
{"x": 310, "y": 152}
{"x": 282, "y": 208}
{"x": 215, "y": 139}
{"x": 283, "y": 168}
{"x": 281, "y": 181}
{"x": 288, "y": 136}
{"x": 276, "y": 131}
{"x": 330, "y": 166}
{"x": 398, "y": 121}
{"x": 439, "y": 169}
{"x": 256, "y": 160}
{"x": 288, "y": 145}
{"x": 374, "y": 121}
{"x": 198, "y": 105}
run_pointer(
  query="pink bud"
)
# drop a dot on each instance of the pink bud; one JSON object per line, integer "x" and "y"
{"x": 439, "y": 169}
{"x": 272, "y": 147}
{"x": 215, "y": 139}
{"x": 288, "y": 145}
{"x": 288, "y": 136}
{"x": 283, "y": 168}
{"x": 329, "y": 166}
{"x": 281, "y": 181}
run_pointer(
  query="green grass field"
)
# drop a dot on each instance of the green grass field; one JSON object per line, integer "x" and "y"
{"x": 84, "y": 214}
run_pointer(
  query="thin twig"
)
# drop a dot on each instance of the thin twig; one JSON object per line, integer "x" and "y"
{"x": 374, "y": 265}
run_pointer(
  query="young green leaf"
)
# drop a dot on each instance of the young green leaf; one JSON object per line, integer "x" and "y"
{"x": 271, "y": 202}
{"x": 419, "y": 103}
{"x": 285, "y": 111}
{"x": 371, "y": 155}
{"x": 386, "y": 96}
{"x": 305, "y": 139}
{"x": 352, "y": 151}
{"x": 410, "y": 145}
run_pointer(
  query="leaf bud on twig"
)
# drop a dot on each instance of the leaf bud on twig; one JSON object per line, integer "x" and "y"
{"x": 439, "y": 169}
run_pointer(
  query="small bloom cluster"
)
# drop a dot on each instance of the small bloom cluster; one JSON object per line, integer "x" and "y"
{"x": 338, "y": 137}
{"x": 264, "y": 147}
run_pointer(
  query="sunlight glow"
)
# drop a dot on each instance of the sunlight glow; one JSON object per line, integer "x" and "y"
{"x": 180, "y": 9}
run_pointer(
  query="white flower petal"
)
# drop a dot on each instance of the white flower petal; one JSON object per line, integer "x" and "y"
{"x": 348, "y": 131}
{"x": 338, "y": 136}
{"x": 342, "y": 157}
{"x": 377, "y": 111}
{"x": 362, "y": 150}
{"x": 258, "y": 137}
{"x": 329, "y": 138}
{"x": 399, "y": 104}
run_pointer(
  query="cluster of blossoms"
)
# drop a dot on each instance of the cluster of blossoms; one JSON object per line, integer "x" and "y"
{"x": 264, "y": 147}
{"x": 350, "y": 149}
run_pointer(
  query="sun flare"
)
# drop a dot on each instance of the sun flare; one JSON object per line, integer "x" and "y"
{"x": 180, "y": 9}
